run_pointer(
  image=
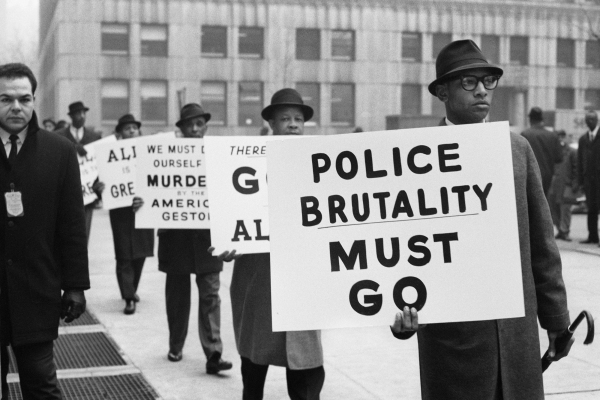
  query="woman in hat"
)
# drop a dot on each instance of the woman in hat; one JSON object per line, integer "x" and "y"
{"x": 132, "y": 246}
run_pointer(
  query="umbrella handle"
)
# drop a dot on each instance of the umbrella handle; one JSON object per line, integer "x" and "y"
{"x": 559, "y": 345}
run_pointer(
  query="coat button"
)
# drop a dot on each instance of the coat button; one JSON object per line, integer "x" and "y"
{"x": 11, "y": 224}
{"x": 9, "y": 262}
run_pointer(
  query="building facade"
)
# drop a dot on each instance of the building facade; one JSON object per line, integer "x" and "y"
{"x": 355, "y": 62}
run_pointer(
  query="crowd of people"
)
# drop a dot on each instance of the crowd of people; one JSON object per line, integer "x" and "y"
{"x": 497, "y": 359}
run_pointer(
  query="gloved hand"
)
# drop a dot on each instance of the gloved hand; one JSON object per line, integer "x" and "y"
{"x": 81, "y": 150}
{"x": 73, "y": 305}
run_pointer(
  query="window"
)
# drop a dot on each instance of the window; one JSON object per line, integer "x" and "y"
{"x": 115, "y": 38}
{"x": 565, "y": 98}
{"x": 310, "y": 93}
{"x": 592, "y": 99}
{"x": 490, "y": 47}
{"x": 411, "y": 46}
{"x": 115, "y": 99}
{"x": 214, "y": 100}
{"x": 251, "y": 42}
{"x": 565, "y": 53}
{"x": 250, "y": 104}
{"x": 411, "y": 99}
{"x": 214, "y": 41}
{"x": 342, "y": 104}
{"x": 308, "y": 44}
{"x": 154, "y": 40}
{"x": 342, "y": 45}
{"x": 519, "y": 50}
{"x": 592, "y": 53}
{"x": 154, "y": 101}
{"x": 439, "y": 41}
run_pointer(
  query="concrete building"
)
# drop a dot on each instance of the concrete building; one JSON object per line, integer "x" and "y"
{"x": 355, "y": 62}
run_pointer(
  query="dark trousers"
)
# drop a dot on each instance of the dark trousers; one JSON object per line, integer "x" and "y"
{"x": 129, "y": 273}
{"x": 89, "y": 212}
{"x": 592, "y": 221}
{"x": 37, "y": 372}
{"x": 178, "y": 299}
{"x": 302, "y": 384}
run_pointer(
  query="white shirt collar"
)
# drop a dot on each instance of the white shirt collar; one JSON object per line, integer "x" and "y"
{"x": 76, "y": 132}
{"x": 594, "y": 132}
{"x": 5, "y": 136}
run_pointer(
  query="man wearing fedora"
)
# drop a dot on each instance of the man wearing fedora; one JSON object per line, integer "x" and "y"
{"x": 182, "y": 252}
{"x": 132, "y": 246}
{"x": 79, "y": 135}
{"x": 496, "y": 359}
{"x": 299, "y": 352}
{"x": 545, "y": 145}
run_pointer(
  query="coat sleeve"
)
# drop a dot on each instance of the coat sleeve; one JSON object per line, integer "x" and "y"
{"x": 545, "y": 258}
{"x": 71, "y": 241}
{"x": 580, "y": 162}
{"x": 558, "y": 152}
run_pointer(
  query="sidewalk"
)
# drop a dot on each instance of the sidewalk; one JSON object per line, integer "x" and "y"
{"x": 365, "y": 363}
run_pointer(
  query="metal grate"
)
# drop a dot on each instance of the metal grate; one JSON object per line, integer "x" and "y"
{"x": 119, "y": 387}
{"x": 85, "y": 319}
{"x": 81, "y": 350}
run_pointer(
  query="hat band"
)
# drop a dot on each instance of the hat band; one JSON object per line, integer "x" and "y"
{"x": 461, "y": 63}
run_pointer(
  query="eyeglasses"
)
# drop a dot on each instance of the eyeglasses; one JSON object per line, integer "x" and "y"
{"x": 470, "y": 82}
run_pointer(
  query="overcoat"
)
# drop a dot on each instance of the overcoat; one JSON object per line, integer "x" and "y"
{"x": 88, "y": 137}
{"x": 547, "y": 150}
{"x": 588, "y": 167}
{"x": 473, "y": 360}
{"x": 565, "y": 176}
{"x": 45, "y": 250}
{"x": 130, "y": 243}
{"x": 251, "y": 305}
{"x": 185, "y": 251}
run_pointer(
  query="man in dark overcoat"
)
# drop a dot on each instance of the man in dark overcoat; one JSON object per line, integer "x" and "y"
{"x": 588, "y": 173}
{"x": 42, "y": 240}
{"x": 132, "y": 246}
{"x": 182, "y": 252}
{"x": 494, "y": 359}
{"x": 545, "y": 145}
{"x": 80, "y": 135}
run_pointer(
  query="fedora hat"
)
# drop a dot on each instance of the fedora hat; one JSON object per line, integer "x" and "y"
{"x": 191, "y": 110}
{"x": 78, "y": 105}
{"x": 287, "y": 97}
{"x": 458, "y": 56}
{"x": 127, "y": 119}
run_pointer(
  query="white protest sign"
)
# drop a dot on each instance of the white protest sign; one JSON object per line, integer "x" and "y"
{"x": 236, "y": 167}
{"x": 171, "y": 179}
{"x": 364, "y": 224}
{"x": 88, "y": 169}
{"x": 117, "y": 161}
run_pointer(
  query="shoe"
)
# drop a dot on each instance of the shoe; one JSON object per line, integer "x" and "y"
{"x": 136, "y": 298}
{"x": 588, "y": 241}
{"x": 563, "y": 236}
{"x": 174, "y": 357}
{"x": 129, "y": 307}
{"x": 215, "y": 364}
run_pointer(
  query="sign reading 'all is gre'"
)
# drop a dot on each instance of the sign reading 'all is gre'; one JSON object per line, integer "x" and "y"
{"x": 362, "y": 225}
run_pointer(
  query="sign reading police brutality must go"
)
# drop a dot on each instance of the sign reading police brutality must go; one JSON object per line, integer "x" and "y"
{"x": 364, "y": 224}
{"x": 117, "y": 165}
{"x": 171, "y": 179}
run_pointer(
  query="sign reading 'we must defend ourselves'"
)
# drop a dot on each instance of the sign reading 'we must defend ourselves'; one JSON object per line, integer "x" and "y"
{"x": 362, "y": 225}
{"x": 171, "y": 179}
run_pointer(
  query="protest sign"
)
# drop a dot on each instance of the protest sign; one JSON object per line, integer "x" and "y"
{"x": 88, "y": 169}
{"x": 236, "y": 167}
{"x": 363, "y": 224}
{"x": 117, "y": 161}
{"x": 171, "y": 179}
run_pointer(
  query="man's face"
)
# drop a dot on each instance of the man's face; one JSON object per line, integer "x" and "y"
{"x": 194, "y": 127}
{"x": 49, "y": 126}
{"x": 591, "y": 120}
{"x": 78, "y": 118}
{"x": 129, "y": 131}
{"x": 16, "y": 104}
{"x": 463, "y": 106}
{"x": 287, "y": 121}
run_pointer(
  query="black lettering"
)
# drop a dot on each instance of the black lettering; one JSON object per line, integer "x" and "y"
{"x": 355, "y": 207}
{"x": 402, "y": 205}
{"x": 339, "y": 165}
{"x": 446, "y": 238}
{"x": 318, "y": 170}
{"x": 444, "y": 197}
{"x": 422, "y": 149}
{"x": 337, "y": 253}
{"x": 371, "y": 173}
{"x": 259, "y": 235}
{"x": 415, "y": 248}
{"x": 112, "y": 157}
{"x": 460, "y": 191}
{"x": 443, "y": 157}
{"x": 418, "y": 285}
{"x": 373, "y": 301}
{"x": 240, "y": 230}
{"x": 423, "y": 210}
{"x": 383, "y": 260}
{"x": 381, "y": 196}
{"x": 336, "y": 206}
{"x": 251, "y": 184}
{"x": 310, "y": 206}
{"x": 152, "y": 180}
{"x": 483, "y": 195}
{"x": 397, "y": 161}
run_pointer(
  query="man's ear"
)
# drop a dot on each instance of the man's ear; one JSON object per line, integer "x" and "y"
{"x": 271, "y": 123}
{"x": 441, "y": 91}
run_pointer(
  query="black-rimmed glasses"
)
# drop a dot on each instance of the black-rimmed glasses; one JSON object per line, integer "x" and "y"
{"x": 470, "y": 82}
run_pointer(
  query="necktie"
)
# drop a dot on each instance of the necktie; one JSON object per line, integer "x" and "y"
{"x": 13, "y": 149}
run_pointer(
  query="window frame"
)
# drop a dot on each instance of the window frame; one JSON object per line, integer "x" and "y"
{"x": 207, "y": 104}
{"x": 259, "y": 105}
{"x": 215, "y": 28}
{"x": 351, "y": 56}
{"x": 307, "y": 45}
{"x": 340, "y": 122}
{"x": 163, "y": 54}
{"x": 124, "y": 108}
{"x": 145, "y": 115}
{"x": 103, "y": 41}
{"x": 258, "y": 56}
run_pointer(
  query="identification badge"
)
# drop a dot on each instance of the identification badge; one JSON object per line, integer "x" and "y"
{"x": 14, "y": 204}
